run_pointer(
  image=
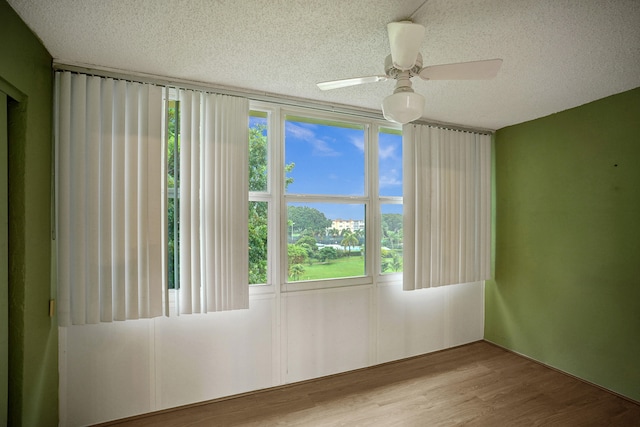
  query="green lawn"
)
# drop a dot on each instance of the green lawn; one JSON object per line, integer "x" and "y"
{"x": 341, "y": 267}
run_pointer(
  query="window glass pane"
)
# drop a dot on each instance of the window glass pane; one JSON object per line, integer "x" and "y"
{"x": 391, "y": 244}
{"x": 325, "y": 241}
{"x": 390, "y": 162}
{"x": 258, "y": 149}
{"x": 258, "y": 248}
{"x": 324, "y": 157}
{"x": 172, "y": 237}
{"x": 173, "y": 148}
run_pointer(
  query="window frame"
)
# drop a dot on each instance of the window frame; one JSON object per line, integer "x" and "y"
{"x": 278, "y": 200}
{"x": 172, "y": 193}
{"x": 269, "y": 196}
{"x": 384, "y": 200}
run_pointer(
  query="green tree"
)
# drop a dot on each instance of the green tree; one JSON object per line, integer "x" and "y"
{"x": 296, "y": 270}
{"x": 393, "y": 238}
{"x": 393, "y": 221}
{"x": 309, "y": 219}
{"x": 258, "y": 233}
{"x": 258, "y": 226}
{"x": 327, "y": 253}
{"x": 307, "y": 239}
{"x": 310, "y": 245}
{"x": 391, "y": 261}
{"x": 173, "y": 148}
{"x": 296, "y": 254}
{"x": 334, "y": 232}
{"x": 392, "y": 230}
{"x": 258, "y": 158}
{"x": 349, "y": 240}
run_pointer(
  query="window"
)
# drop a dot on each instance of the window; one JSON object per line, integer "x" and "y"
{"x": 390, "y": 185}
{"x": 326, "y": 176}
{"x": 327, "y": 157}
{"x": 333, "y": 202}
{"x": 325, "y": 197}
{"x": 318, "y": 248}
{"x": 259, "y": 197}
{"x": 391, "y": 238}
{"x": 173, "y": 153}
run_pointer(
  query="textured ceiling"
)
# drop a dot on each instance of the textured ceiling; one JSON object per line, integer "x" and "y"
{"x": 557, "y": 53}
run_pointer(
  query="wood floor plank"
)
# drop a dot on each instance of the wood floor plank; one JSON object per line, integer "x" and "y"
{"x": 476, "y": 385}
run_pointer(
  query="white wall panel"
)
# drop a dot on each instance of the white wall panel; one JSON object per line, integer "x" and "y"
{"x": 106, "y": 370}
{"x": 465, "y": 313}
{"x": 410, "y": 323}
{"x": 327, "y": 331}
{"x": 112, "y": 371}
{"x": 205, "y": 356}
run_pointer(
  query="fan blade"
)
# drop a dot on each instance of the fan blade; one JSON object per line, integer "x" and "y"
{"x": 405, "y": 39}
{"x": 474, "y": 70}
{"x": 336, "y": 84}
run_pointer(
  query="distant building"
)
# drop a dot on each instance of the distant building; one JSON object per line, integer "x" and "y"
{"x": 348, "y": 224}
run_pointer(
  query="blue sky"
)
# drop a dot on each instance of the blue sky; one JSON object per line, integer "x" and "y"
{"x": 330, "y": 160}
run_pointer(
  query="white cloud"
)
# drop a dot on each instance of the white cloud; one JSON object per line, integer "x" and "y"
{"x": 321, "y": 148}
{"x": 300, "y": 132}
{"x": 388, "y": 152}
{"x": 390, "y": 178}
{"x": 305, "y": 133}
{"x": 358, "y": 142}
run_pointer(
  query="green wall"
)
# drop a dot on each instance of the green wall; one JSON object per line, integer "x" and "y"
{"x": 26, "y": 74}
{"x": 567, "y": 245}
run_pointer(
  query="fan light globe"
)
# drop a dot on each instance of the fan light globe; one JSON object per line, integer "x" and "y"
{"x": 403, "y": 107}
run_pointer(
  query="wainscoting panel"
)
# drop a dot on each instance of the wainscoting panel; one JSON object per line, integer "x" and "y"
{"x": 205, "y": 356}
{"x": 118, "y": 370}
{"x": 327, "y": 331}
{"x": 106, "y": 371}
{"x": 410, "y": 322}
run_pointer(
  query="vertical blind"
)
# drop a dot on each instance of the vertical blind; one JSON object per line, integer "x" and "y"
{"x": 447, "y": 206}
{"x": 109, "y": 180}
{"x": 110, "y": 200}
{"x": 213, "y": 188}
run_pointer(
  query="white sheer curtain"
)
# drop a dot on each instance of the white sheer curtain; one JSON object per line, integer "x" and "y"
{"x": 447, "y": 206}
{"x": 213, "y": 200}
{"x": 109, "y": 207}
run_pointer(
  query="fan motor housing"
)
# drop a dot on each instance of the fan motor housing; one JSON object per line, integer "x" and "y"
{"x": 393, "y": 72}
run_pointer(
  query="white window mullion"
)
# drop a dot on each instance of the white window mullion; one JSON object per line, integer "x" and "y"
{"x": 373, "y": 216}
{"x": 279, "y": 205}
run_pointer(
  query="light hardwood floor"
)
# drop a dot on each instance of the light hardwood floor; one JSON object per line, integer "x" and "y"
{"x": 478, "y": 384}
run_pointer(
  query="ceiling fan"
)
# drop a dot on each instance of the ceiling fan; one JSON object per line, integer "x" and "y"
{"x": 405, "y": 62}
